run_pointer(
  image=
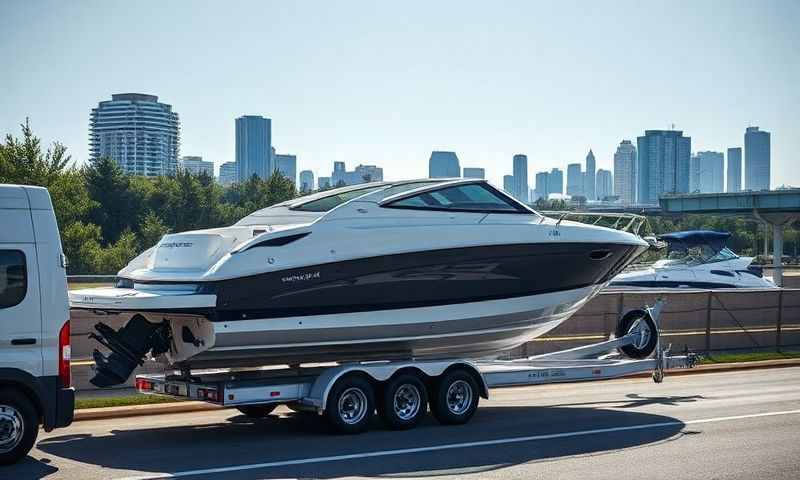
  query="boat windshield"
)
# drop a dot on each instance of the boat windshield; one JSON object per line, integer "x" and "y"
{"x": 698, "y": 255}
{"x": 325, "y": 204}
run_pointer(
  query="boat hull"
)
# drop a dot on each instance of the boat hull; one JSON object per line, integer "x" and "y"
{"x": 472, "y": 330}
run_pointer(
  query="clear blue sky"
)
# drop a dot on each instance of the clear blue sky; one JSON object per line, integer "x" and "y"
{"x": 387, "y": 82}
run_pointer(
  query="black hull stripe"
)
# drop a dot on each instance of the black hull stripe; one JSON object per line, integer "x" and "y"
{"x": 421, "y": 279}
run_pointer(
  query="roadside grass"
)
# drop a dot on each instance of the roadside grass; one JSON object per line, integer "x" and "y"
{"x": 122, "y": 401}
{"x": 80, "y": 286}
{"x": 746, "y": 357}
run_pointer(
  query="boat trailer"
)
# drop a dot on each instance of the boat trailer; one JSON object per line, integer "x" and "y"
{"x": 338, "y": 391}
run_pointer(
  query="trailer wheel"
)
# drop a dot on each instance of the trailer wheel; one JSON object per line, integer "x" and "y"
{"x": 350, "y": 405}
{"x": 257, "y": 411}
{"x": 404, "y": 402}
{"x": 638, "y": 321}
{"x": 19, "y": 425}
{"x": 456, "y": 398}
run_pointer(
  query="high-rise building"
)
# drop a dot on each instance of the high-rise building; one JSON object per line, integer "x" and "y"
{"x": 605, "y": 184}
{"x": 141, "y": 134}
{"x": 625, "y": 172}
{"x": 287, "y": 166}
{"x": 323, "y": 183}
{"x": 197, "y": 166}
{"x": 555, "y": 181}
{"x": 540, "y": 190}
{"x": 756, "y": 159}
{"x": 471, "y": 172}
{"x": 254, "y": 147}
{"x": 662, "y": 164}
{"x": 574, "y": 179}
{"x": 306, "y": 181}
{"x": 694, "y": 174}
{"x": 589, "y": 177}
{"x": 361, "y": 174}
{"x": 521, "y": 177}
{"x": 508, "y": 184}
{"x": 443, "y": 165}
{"x": 228, "y": 173}
{"x": 734, "y": 175}
{"x": 711, "y": 174}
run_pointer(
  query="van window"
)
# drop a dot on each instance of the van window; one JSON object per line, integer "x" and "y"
{"x": 13, "y": 278}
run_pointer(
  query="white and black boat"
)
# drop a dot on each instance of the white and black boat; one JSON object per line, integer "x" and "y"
{"x": 696, "y": 259}
{"x": 395, "y": 270}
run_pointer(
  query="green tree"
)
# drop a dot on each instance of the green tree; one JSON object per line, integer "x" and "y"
{"x": 81, "y": 242}
{"x": 115, "y": 208}
{"x": 111, "y": 259}
{"x": 152, "y": 229}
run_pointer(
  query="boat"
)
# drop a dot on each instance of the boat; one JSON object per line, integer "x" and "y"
{"x": 419, "y": 269}
{"x": 696, "y": 259}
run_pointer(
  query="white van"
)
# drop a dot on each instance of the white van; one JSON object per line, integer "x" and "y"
{"x": 35, "y": 379}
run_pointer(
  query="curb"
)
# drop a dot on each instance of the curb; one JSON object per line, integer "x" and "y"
{"x": 106, "y": 413}
{"x": 191, "y": 406}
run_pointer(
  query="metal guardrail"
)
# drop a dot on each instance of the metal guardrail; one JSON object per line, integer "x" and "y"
{"x": 91, "y": 278}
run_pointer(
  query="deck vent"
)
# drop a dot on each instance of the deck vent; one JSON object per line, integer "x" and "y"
{"x": 280, "y": 241}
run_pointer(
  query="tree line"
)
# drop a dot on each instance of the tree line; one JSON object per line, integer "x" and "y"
{"x": 106, "y": 217}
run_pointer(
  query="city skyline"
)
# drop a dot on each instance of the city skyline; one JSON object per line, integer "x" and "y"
{"x": 463, "y": 86}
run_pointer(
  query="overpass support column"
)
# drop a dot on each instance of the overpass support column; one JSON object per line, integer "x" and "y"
{"x": 777, "y": 253}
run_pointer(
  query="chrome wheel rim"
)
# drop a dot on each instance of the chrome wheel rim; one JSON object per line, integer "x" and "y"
{"x": 407, "y": 400}
{"x": 459, "y": 397}
{"x": 642, "y": 329}
{"x": 352, "y": 405}
{"x": 12, "y": 428}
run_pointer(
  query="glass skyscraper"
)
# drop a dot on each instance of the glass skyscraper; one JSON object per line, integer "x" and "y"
{"x": 443, "y": 165}
{"x": 228, "y": 173}
{"x": 141, "y": 134}
{"x": 287, "y": 165}
{"x": 254, "y": 147}
{"x": 306, "y": 181}
{"x": 734, "y": 170}
{"x": 555, "y": 181}
{"x": 589, "y": 177}
{"x": 662, "y": 165}
{"x": 756, "y": 159}
{"x": 574, "y": 179}
{"x": 474, "y": 172}
{"x": 521, "y": 178}
{"x": 625, "y": 172}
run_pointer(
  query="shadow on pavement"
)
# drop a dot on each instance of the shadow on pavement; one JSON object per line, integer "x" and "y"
{"x": 242, "y": 440}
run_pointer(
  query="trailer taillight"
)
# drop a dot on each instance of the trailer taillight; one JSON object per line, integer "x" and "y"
{"x": 64, "y": 355}
{"x": 144, "y": 385}
{"x": 208, "y": 394}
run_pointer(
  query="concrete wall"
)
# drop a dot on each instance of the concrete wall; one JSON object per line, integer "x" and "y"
{"x": 700, "y": 320}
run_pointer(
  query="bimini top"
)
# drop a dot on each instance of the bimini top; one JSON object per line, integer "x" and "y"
{"x": 693, "y": 238}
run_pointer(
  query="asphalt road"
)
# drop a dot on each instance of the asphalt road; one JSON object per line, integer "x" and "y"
{"x": 717, "y": 425}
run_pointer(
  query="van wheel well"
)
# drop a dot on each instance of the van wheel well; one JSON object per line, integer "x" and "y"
{"x": 29, "y": 393}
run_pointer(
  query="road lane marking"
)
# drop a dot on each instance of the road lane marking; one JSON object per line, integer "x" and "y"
{"x": 451, "y": 446}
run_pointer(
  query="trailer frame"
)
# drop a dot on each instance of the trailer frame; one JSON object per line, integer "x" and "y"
{"x": 309, "y": 387}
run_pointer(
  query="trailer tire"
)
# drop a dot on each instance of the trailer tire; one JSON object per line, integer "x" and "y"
{"x": 257, "y": 411}
{"x": 455, "y": 397}
{"x": 350, "y": 404}
{"x": 19, "y": 425}
{"x": 404, "y": 402}
{"x": 638, "y": 319}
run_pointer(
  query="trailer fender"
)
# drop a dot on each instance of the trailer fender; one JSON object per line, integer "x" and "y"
{"x": 380, "y": 372}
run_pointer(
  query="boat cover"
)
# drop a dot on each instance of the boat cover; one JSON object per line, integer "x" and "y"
{"x": 680, "y": 241}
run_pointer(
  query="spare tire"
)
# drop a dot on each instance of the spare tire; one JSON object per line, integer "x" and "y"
{"x": 638, "y": 321}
